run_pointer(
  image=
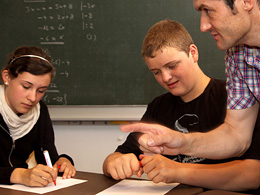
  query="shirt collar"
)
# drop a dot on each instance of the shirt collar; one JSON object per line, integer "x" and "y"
{"x": 250, "y": 54}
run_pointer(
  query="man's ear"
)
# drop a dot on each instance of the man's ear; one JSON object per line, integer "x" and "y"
{"x": 248, "y": 5}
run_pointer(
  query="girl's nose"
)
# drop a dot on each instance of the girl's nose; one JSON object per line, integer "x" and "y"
{"x": 32, "y": 96}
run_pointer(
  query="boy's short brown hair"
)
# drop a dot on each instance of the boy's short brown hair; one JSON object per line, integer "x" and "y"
{"x": 166, "y": 33}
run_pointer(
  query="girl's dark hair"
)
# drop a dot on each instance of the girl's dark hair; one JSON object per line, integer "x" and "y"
{"x": 29, "y": 59}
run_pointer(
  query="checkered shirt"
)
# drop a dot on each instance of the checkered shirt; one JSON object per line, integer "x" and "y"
{"x": 243, "y": 76}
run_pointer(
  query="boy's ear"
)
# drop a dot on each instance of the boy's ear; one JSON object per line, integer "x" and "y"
{"x": 194, "y": 53}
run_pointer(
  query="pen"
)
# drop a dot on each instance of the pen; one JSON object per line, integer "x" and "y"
{"x": 48, "y": 161}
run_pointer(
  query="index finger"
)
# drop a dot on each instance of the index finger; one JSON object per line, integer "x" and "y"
{"x": 138, "y": 127}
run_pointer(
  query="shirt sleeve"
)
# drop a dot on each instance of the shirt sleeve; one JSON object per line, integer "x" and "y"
{"x": 130, "y": 145}
{"x": 5, "y": 175}
{"x": 242, "y": 79}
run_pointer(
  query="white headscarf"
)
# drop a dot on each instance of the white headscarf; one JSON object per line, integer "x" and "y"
{"x": 18, "y": 126}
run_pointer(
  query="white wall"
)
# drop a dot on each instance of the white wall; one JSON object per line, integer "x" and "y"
{"x": 88, "y": 145}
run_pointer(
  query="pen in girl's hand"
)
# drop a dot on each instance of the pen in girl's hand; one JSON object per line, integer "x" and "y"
{"x": 48, "y": 161}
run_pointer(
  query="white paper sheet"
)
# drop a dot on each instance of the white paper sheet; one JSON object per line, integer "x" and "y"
{"x": 134, "y": 187}
{"x": 61, "y": 183}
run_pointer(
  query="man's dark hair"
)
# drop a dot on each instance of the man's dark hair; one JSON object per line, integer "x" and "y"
{"x": 230, "y": 3}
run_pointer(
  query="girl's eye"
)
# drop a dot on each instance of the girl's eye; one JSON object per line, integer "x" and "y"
{"x": 41, "y": 91}
{"x": 26, "y": 87}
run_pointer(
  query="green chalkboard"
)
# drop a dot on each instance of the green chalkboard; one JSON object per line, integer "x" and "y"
{"x": 96, "y": 44}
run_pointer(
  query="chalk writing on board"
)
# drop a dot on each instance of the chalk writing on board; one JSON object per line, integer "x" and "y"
{"x": 96, "y": 45}
{"x": 53, "y": 20}
{"x": 87, "y": 20}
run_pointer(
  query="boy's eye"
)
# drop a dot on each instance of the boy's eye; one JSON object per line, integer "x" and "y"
{"x": 155, "y": 72}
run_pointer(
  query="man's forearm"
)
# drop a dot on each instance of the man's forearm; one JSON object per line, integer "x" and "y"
{"x": 230, "y": 139}
{"x": 219, "y": 143}
{"x": 237, "y": 175}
